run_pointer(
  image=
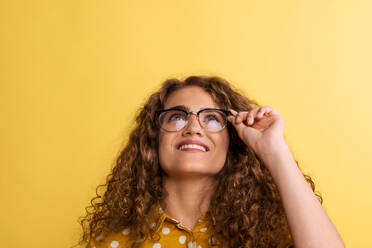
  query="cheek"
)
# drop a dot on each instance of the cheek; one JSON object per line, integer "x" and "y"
{"x": 222, "y": 146}
{"x": 225, "y": 146}
{"x": 224, "y": 142}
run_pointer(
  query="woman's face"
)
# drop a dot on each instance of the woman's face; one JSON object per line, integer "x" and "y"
{"x": 192, "y": 162}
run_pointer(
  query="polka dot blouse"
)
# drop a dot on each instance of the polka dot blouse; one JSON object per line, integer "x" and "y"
{"x": 171, "y": 233}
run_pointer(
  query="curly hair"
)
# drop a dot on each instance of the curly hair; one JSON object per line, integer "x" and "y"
{"x": 246, "y": 206}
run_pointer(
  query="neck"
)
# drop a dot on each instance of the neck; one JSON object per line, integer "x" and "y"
{"x": 188, "y": 198}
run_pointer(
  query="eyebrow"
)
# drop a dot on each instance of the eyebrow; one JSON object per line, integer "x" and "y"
{"x": 183, "y": 107}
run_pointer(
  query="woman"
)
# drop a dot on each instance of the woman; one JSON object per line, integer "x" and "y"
{"x": 204, "y": 167}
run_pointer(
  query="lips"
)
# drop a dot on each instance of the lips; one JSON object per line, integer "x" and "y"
{"x": 190, "y": 142}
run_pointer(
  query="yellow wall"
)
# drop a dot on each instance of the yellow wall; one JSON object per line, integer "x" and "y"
{"x": 73, "y": 73}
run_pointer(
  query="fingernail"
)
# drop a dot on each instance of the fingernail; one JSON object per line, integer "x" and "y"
{"x": 233, "y": 111}
{"x": 250, "y": 120}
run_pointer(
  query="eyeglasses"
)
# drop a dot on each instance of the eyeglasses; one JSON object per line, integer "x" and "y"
{"x": 175, "y": 119}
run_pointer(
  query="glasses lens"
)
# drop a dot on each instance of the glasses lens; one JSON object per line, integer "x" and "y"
{"x": 173, "y": 120}
{"x": 213, "y": 120}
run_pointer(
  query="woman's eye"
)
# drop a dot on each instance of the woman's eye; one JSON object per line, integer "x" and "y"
{"x": 212, "y": 118}
{"x": 175, "y": 117}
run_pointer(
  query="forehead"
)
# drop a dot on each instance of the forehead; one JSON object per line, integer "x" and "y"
{"x": 193, "y": 97}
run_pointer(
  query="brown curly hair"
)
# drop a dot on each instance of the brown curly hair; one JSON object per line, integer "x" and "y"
{"x": 246, "y": 205}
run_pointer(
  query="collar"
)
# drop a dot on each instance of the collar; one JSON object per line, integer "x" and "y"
{"x": 158, "y": 217}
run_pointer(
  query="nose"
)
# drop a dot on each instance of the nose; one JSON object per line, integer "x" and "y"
{"x": 193, "y": 126}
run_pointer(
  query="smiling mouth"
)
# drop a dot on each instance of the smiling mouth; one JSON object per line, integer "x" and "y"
{"x": 192, "y": 147}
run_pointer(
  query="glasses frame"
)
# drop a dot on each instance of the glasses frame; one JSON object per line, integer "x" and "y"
{"x": 188, "y": 113}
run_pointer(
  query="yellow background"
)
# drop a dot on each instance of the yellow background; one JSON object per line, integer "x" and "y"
{"x": 74, "y": 73}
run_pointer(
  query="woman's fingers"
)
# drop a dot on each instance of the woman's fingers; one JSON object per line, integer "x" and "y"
{"x": 252, "y": 115}
{"x": 239, "y": 117}
{"x": 248, "y": 117}
{"x": 266, "y": 110}
{"x": 235, "y": 118}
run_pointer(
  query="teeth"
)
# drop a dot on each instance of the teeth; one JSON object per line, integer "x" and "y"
{"x": 192, "y": 146}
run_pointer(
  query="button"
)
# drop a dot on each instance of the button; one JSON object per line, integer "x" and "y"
{"x": 191, "y": 244}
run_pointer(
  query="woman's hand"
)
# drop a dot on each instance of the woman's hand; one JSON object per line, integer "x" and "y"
{"x": 261, "y": 129}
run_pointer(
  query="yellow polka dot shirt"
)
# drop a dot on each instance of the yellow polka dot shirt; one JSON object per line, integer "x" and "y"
{"x": 170, "y": 231}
